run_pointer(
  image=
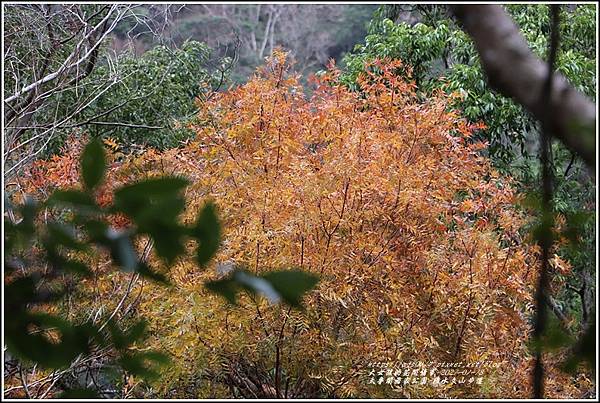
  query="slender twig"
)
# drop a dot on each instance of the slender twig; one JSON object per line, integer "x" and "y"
{"x": 570, "y": 164}
{"x": 68, "y": 64}
{"x": 123, "y": 124}
{"x": 547, "y": 208}
{"x": 132, "y": 280}
{"x": 24, "y": 381}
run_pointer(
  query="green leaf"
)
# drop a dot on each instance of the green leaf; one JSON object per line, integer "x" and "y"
{"x": 93, "y": 164}
{"x": 532, "y": 201}
{"x": 79, "y": 393}
{"x": 242, "y": 280}
{"x": 288, "y": 286}
{"x": 118, "y": 338}
{"x": 584, "y": 350}
{"x": 77, "y": 267}
{"x": 19, "y": 292}
{"x": 145, "y": 271}
{"x": 154, "y": 205}
{"x": 96, "y": 229}
{"x": 208, "y": 232}
{"x": 37, "y": 347}
{"x": 121, "y": 250}
{"x": 18, "y": 236}
{"x": 65, "y": 236}
{"x": 226, "y": 287}
{"x": 59, "y": 262}
{"x": 257, "y": 285}
{"x": 137, "y": 331}
{"x": 575, "y": 228}
{"x": 28, "y": 210}
{"x": 73, "y": 198}
{"x": 155, "y": 187}
{"x": 143, "y": 364}
{"x": 542, "y": 230}
{"x": 156, "y": 357}
{"x": 168, "y": 239}
{"x": 292, "y": 284}
{"x": 555, "y": 337}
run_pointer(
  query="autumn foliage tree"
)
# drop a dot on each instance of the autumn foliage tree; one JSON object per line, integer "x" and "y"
{"x": 416, "y": 238}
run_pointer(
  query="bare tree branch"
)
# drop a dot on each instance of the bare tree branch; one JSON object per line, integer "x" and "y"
{"x": 122, "y": 124}
{"x": 57, "y": 66}
{"x": 67, "y": 64}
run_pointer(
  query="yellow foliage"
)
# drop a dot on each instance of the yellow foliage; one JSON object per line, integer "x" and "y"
{"x": 380, "y": 194}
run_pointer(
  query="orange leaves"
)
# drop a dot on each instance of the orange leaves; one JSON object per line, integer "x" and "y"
{"x": 352, "y": 187}
{"x": 562, "y": 266}
{"x": 57, "y": 172}
{"x": 468, "y": 206}
{"x": 110, "y": 143}
{"x": 363, "y": 189}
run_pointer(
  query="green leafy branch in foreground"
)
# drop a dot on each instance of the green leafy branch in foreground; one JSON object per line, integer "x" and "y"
{"x": 153, "y": 207}
{"x": 579, "y": 347}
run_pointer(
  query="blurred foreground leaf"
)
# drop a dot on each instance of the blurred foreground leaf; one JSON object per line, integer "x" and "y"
{"x": 208, "y": 233}
{"x": 93, "y": 164}
{"x": 287, "y": 286}
{"x": 584, "y": 351}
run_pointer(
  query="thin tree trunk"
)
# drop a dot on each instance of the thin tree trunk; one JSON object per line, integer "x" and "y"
{"x": 253, "y": 44}
{"x": 266, "y": 35}
{"x": 272, "y": 34}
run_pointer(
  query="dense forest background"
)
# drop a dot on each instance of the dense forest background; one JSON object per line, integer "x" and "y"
{"x": 362, "y": 144}
{"x": 312, "y": 33}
